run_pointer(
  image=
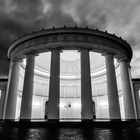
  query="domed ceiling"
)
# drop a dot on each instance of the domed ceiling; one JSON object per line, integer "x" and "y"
{"x": 69, "y": 63}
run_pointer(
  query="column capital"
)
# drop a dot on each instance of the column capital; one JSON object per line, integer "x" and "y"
{"x": 35, "y": 53}
{"x": 126, "y": 61}
{"x": 107, "y": 53}
{"x": 123, "y": 59}
{"x": 16, "y": 59}
{"x": 82, "y": 49}
{"x": 56, "y": 49}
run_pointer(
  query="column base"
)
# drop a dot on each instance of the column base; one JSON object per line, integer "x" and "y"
{"x": 53, "y": 121}
{"x": 87, "y": 120}
{"x": 25, "y": 120}
{"x": 115, "y": 120}
{"x": 8, "y": 120}
{"x": 131, "y": 120}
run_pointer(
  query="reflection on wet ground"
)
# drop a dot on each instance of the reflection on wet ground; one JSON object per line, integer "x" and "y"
{"x": 53, "y": 133}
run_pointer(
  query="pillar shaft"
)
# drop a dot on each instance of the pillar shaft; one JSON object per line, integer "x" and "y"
{"x": 26, "y": 104}
{"x": 2, "y": 99}
{"x": 137, "y": 99}
{"x": 10, "y": 109}
{"x": 86, "y": 92}
{"x": 54, "y": 87}
{"x": 113, "y": 99}
{"x": 7, "y": 89}
{"x": 132, "y": 90}
{"x": 127, "y": 94}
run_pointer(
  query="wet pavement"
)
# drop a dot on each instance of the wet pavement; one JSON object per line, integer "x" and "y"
{"x": 66, "y": 133}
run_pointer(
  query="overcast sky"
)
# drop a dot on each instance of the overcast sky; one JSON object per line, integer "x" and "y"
{"x": 122, "y": 17}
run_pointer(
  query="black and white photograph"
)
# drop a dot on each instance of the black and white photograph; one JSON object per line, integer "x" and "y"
{"x": 70, "y": 70}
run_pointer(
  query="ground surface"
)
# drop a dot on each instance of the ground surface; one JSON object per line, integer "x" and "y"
{"x": 75, "y": 132}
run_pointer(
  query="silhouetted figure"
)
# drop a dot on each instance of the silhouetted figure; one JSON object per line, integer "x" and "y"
{"x": 46, "y": 110}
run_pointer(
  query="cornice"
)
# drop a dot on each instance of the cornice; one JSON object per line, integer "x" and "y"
{"x": 79, "y": 34}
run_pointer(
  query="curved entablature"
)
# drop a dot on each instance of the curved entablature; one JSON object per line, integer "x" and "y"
{"x": 70, "y": 38}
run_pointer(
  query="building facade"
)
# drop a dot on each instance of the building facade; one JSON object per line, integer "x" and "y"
{"x": 70, "y": 74}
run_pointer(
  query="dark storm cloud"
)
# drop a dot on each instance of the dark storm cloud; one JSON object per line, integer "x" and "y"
{"x": 19, "y": 17}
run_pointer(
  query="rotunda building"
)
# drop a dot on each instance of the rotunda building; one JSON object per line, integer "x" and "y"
{"x": 69, "y": 73}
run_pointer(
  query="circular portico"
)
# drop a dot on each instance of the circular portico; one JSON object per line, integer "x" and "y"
{"x": 56, "y": 41}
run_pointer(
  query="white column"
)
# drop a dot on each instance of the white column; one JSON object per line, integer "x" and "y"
{"x": 137, "y": 100}
{"x": 132, "y": 90}
{"x": 113, "y": 99}
{"x": 7, "y": 89}
{"x": 127, "y": 94}
{"x": 11, "y": 100}
{"x": 26, "y": 103}
{"x": 54, "y": 87}
{"x": 86, "y": 91}
{"x": 2, "y": 99}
